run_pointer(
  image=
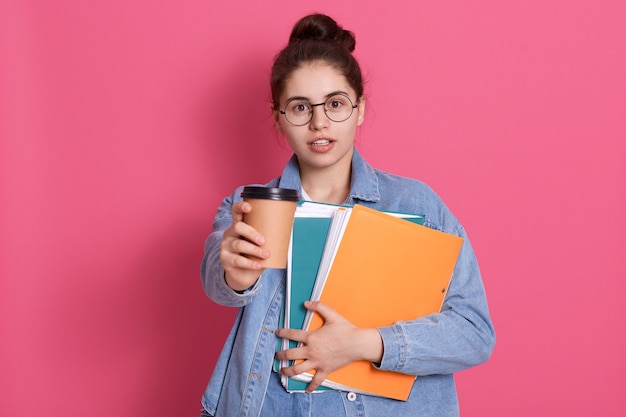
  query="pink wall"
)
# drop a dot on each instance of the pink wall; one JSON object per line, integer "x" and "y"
{"x": 123, "y": 124}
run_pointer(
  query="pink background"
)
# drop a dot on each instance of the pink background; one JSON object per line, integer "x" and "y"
{"x": 123, "y": 124}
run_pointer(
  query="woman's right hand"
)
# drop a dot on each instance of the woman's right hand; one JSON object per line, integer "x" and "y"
{"x": 240, "y": 241}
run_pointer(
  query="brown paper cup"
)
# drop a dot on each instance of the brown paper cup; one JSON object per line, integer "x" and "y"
{"x": 272, "y": 215}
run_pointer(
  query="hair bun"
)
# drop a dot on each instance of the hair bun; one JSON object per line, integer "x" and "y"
{"x": 323, "y": 28}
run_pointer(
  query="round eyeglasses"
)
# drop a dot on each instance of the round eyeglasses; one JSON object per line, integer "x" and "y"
{"x": 299, "y": 111}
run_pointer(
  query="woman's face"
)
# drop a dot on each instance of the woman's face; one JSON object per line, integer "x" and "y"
{"x": 321, "y": 143}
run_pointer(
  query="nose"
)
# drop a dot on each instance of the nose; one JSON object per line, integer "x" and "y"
{"x": 318, "y": 118}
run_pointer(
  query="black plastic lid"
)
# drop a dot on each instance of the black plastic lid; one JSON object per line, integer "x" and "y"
{"x": 265, "y": 193}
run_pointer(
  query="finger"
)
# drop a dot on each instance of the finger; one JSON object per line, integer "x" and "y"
{"x": 291, "y": 354}
{"x": 239, "y": 209}
{"x": 317, "y": 380}
{"x": 297, "y": 369}
{"x": 292, "y": 334}
{"x": 236, "y": 261}
{"x": 245, "y": 231}
{"x": 327, "y": 313}
{"x": 244, "y": 248}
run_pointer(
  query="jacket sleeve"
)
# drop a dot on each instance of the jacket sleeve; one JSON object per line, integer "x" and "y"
{"x": 212, "y": 271}
{"x": 459, "y": 337}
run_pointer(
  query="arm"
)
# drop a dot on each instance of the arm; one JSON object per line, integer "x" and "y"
{"x": 459, "y": 337}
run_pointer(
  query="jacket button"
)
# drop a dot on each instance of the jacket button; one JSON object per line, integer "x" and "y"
{"x": 351, "y": 396}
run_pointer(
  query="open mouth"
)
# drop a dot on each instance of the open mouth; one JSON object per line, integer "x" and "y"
{"x": 321, "y": 142}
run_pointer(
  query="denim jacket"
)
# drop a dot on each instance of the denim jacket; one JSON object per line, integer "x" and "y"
{"x": 431, "y": 347}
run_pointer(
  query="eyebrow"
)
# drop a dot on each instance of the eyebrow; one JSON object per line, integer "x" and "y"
{"x": 329, "y": 95}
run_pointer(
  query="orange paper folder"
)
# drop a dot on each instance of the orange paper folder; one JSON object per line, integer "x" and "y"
{"x": 385, "y": 270}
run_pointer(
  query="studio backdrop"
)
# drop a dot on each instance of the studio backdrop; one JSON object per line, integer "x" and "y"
{"x": 124, "y": 124}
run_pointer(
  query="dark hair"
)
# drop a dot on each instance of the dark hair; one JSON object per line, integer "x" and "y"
{"x": 316, "y": 37}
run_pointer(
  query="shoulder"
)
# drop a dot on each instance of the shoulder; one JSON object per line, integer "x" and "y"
{"x": 409, "y": 195}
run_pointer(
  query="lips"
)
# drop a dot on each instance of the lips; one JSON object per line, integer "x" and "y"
{"x": 321, "y": 142}
{"x": 321, "y": 145}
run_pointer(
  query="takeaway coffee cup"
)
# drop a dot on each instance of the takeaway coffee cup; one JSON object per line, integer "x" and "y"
{"x": 272, "y": 215}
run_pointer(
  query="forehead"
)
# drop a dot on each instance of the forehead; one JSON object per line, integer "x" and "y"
{"x": 315, "y": 81}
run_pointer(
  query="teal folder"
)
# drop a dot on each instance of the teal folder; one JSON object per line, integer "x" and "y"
{"x": 307, "y": 246}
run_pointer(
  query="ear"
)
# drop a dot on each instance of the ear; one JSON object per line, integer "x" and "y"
{"x": 360, "y": 111}
{"x": 276, "y": 116}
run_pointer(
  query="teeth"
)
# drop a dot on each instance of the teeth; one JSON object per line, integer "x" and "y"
{"x": 321, "y": 142}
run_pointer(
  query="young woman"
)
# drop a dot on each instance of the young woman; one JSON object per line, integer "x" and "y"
{"x": 318, "y": 104}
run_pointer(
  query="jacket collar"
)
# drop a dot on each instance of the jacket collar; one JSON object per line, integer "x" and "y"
{"x": 364, "y": 185}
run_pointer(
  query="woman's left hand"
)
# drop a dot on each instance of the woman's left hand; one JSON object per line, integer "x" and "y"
{"x": 334, "y": 345}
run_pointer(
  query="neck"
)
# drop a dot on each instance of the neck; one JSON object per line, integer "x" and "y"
{"x": 329, "y": 184}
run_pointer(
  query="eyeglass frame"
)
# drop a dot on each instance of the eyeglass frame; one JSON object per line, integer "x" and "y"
{"x": 352, "y": 107}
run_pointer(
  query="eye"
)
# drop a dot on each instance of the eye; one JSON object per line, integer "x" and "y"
{"x": 336, "y": 103}
{"x": 299, "y": 107}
